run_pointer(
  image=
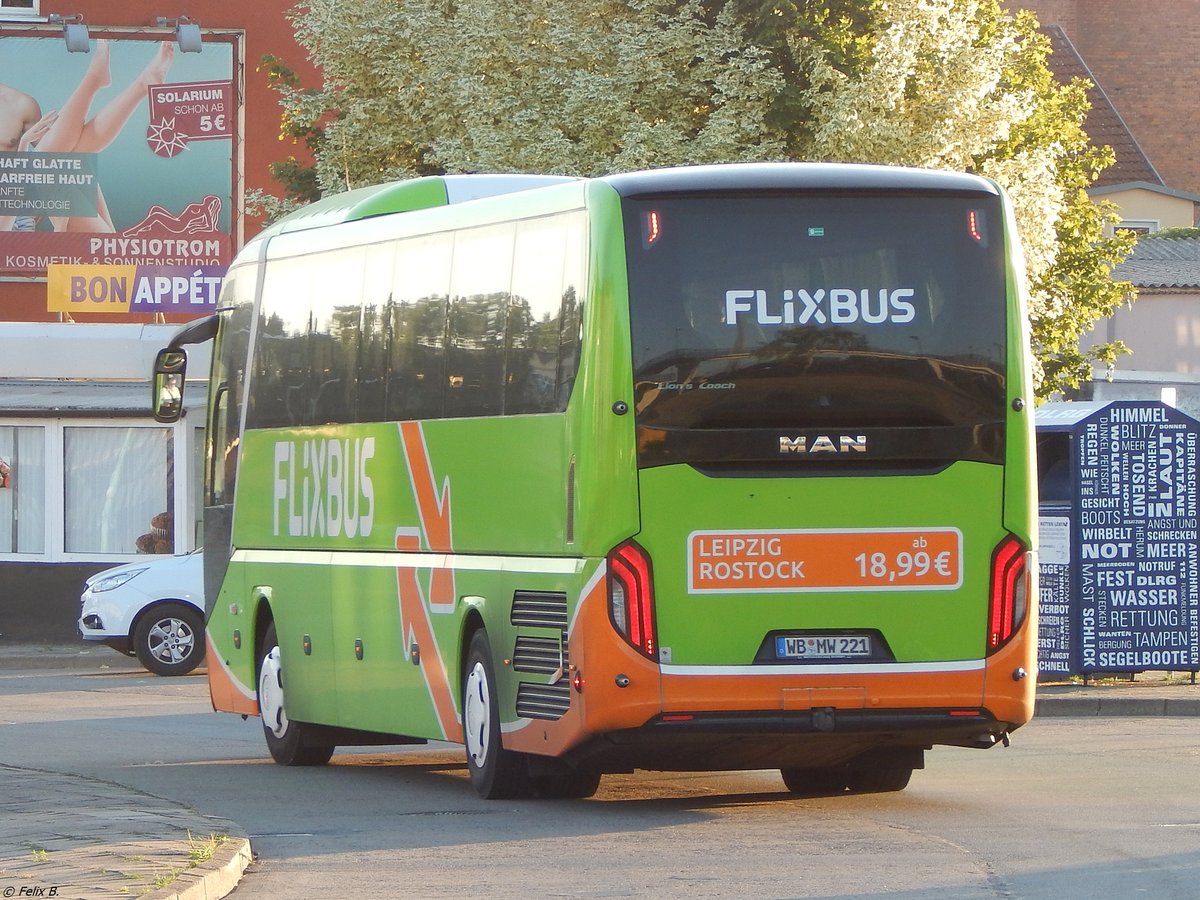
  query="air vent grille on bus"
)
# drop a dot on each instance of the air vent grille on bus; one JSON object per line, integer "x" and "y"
{"x": 541, "y": 656}
{"x": 537, "y": 609}
{"x": 543, "y": 701}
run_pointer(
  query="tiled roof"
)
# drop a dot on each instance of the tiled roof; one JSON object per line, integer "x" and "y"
{"x": 1104, "y": 124}
{"x": 1163, "y": 263}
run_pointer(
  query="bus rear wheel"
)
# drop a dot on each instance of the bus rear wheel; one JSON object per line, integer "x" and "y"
{"x": 884, "y": 770}
{"x": 880, "y": 778}
{"x": 823, "y": 781}
{"x": 285, "y": 739}
{"x": 566, "y": 783}
{"x": 495, "y": 773}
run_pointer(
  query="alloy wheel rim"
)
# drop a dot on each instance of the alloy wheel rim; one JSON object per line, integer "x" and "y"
{"x": 171, "y": 640}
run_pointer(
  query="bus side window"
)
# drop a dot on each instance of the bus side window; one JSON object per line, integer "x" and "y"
{"x": 479, "y": 289}
{"x": 574, "y": 296}
{"x": 534, "y": 320}
{"x": 376, "y": 336}
{"x": 334, "y": 288}
{"x": 570, "y": 335}
{"x": 415, "y": 329}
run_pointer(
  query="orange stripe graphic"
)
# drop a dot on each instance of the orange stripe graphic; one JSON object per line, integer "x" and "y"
{"x": 415, "y": 618}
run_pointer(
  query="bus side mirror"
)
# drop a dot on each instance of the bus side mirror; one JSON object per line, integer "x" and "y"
{"x": 169, "y": 368}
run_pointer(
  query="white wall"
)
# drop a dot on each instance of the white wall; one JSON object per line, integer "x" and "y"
{"x": 93, "y": 352}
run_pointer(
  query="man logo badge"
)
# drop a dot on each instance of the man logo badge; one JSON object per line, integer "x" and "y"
{"x": 823, "y": 443}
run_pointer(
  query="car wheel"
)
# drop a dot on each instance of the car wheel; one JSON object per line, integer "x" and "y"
{"x": 290, "y": 743}
{"x": 169, "y": 639}
{"x": 495, "y": 773}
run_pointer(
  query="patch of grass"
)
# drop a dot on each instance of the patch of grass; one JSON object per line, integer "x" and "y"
{"x": 167, "y": 877}
{"x": 203, "y": 849}
{"x": 200, "y": 850}
{"x": 41, "y": 854}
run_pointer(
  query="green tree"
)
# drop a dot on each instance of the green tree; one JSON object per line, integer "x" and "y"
{"x": 416, "y": 87}
{"x": 959, "y": 84}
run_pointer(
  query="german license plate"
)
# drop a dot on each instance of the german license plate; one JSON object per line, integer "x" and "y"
{"x": 823, "y": 646}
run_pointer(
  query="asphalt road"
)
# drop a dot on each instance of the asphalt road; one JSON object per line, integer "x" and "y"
{"x": 1076, "y": 808}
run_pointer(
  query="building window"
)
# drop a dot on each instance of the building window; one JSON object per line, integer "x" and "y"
{"x": 22, "y": 489}
{"x": 78, "y": 490}
{"x": 118, "y": 494}
{"x": 18, "y": 8}
{"x": 1138, "y": 226}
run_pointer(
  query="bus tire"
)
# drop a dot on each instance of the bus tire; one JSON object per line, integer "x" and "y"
{"x": 823, "y": 781}
{"x": 496, "y": 773}
{"x": 285, "y": 738}
{"x": 880, "y": 777}
{"x": 562, "y": 782}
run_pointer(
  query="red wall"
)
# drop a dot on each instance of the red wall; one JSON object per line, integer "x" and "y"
{"x": 267, "y": 31}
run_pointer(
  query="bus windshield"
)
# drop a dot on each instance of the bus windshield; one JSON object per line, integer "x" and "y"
{"x": 817, "y": 310}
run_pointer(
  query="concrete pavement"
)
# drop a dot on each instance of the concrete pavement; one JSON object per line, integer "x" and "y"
{"x": 67, "y": 836}
{"x": 73, "y": 837}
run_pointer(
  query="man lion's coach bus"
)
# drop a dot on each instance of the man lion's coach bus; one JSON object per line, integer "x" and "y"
{"x": 703, "y": 468}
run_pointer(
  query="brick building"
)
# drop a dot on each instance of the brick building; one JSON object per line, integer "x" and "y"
{"x": 1143, "y": 58}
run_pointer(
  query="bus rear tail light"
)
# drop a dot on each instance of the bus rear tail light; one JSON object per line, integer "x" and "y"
{"x": 631, "y": 597}
{"x": 1009, "y": 600}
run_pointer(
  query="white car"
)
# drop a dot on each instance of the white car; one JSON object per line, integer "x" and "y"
{"x": 152, "y": 609}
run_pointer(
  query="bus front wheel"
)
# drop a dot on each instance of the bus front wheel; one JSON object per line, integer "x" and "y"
{"x": 495, "y": 773}
{"x": 285, "y": 738}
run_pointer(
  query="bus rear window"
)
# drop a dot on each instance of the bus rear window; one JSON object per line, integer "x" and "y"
{"x": 820, "y": 310}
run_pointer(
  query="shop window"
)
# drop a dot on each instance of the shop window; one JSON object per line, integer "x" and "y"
{"x": 22, "y": 489}
{"x": 118, "y": 494}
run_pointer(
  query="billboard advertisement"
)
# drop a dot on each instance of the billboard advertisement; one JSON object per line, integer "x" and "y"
{"x": 1118, "y": 564}
{"x": 120, "y": 157}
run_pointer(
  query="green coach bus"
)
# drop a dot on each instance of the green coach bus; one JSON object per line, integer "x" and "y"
{"x": 702, "y": 468}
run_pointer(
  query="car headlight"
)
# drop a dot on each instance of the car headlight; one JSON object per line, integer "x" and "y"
{"x": 110, "y": 582}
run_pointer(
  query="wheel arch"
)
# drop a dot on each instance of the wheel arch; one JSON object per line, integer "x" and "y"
{"x": 263, "y": 617}
{"x": 472, "y": 621}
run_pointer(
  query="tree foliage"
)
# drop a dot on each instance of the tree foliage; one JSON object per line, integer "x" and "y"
{"x": 416, "y": 87}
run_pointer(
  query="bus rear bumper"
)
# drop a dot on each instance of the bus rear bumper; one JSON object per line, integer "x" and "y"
{"x": 782, "y": 739}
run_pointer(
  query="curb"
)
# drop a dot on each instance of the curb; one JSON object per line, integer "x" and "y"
{"x": 215, "y": 879}
{"x": 74, "y": 658}
{"x": 1083, "y": 707}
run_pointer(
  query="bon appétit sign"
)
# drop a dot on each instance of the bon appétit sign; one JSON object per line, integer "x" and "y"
{"x": 120, "y": 290}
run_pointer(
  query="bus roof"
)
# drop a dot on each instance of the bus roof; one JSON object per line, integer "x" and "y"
{"x": 406, "y": 196}
{"x": 792, "y": 176}
{"x": 445, "y": 190}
